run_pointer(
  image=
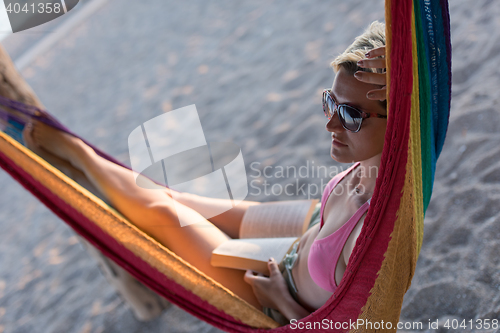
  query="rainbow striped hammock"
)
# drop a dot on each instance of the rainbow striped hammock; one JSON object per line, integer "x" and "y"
{"x": 383, "y": 262}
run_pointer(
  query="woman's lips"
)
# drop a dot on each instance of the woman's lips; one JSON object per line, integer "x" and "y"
{"x": 338, "y": 143}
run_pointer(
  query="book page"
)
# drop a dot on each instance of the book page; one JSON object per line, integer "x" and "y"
{"x": 277, "y": 219}
{"x": 251, "y": 253}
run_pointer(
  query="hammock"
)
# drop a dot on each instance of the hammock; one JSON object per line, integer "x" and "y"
{"x": 383, "y": 262}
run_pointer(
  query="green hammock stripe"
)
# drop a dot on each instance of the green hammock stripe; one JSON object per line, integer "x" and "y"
{"x": 425, "y": 108}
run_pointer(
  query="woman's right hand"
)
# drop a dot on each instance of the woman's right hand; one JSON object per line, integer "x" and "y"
{"x": 272, "y": 292}
{"x": 374, "y": 78}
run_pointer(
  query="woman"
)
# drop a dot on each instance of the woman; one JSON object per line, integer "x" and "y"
{"x": 356, "y": 111}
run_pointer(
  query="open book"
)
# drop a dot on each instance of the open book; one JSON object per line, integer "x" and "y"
{"x": 267, "y": 230}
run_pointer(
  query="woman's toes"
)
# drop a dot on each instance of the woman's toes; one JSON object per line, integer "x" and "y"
{"x": 27, "y": 132}
{"x": 28, "y": 136}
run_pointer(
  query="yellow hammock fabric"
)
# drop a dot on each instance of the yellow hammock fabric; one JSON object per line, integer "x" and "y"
{"x": 383, "y": 262}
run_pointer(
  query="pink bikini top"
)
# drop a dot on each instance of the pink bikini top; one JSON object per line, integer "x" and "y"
{"x": 324, "y": 253}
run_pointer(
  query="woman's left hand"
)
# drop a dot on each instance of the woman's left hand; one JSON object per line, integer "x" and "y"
{"x": 374, "y": 78}
{"x": 272, "y": 292}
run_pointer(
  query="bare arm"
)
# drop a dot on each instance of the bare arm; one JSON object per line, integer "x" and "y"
{"x": 291, "y": 309}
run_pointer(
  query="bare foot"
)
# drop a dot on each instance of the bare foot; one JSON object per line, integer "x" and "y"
{"x": 28, "y": 140}
{"x": 63, "y": 165}
{"x": 50, "y": 140}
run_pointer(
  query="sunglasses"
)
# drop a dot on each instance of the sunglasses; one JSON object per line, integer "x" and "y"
{"x": 350, "y": 118}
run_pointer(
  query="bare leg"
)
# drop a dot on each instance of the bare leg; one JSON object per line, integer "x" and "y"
{"x": 152, "y": 211}
{"x": 144, "y": 303}
{"x": 229, "y": 222}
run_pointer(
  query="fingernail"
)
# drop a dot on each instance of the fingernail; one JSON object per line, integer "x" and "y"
{"x": 271, "y": 259}
{"x": 367, "y": 54}
{"x": 360, "y": 63}
{"x": 370, "y": 95}
{"x": 357, "y": 75}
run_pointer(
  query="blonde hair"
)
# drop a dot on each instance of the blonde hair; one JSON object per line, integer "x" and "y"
{"x": 372, "y": 38}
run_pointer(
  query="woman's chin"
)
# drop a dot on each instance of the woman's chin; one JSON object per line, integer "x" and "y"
{"x": 341, "y": 158}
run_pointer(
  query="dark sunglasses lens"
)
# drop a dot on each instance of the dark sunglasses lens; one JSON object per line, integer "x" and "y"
{"x": 328, "y": 105}
{"x": 350, "y": 118}
{"x": 331, "y": 107}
